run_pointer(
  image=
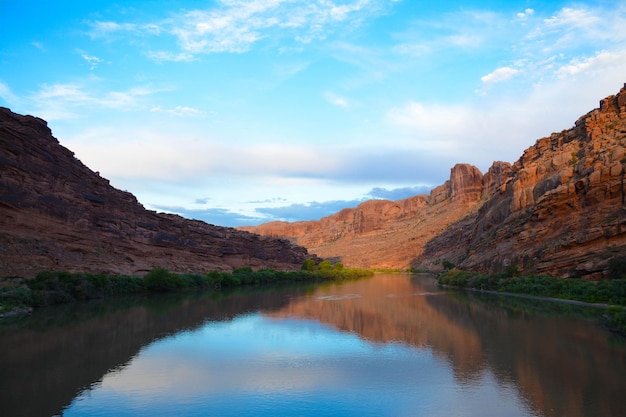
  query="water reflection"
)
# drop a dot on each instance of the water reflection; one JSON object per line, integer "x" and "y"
{"x": 558, "y": 357}
{"x": 390, "y": 345}
{"x": 55, "y": 353}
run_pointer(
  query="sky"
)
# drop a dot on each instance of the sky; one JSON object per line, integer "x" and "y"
{"x": 243, "y": 112}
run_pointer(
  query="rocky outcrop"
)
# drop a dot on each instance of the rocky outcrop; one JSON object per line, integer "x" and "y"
{"x": 390, "y": 234}
{"x": 561, "y": 210}
{"x": 57, "y": 214}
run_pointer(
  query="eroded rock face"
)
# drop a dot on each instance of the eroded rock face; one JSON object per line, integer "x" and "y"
{"x": 390, "y": 234}
{"x": 561, "y": 210}
{"x": 57, "y": 214}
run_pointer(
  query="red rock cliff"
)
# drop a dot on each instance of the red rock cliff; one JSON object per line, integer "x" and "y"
{"x": 57, "y": 214}
{"x": 560, "y": 211}
{"x": 390, "y": 234}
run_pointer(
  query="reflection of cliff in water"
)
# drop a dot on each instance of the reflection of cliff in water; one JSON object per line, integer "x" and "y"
{"x": 58, "y": 353}
{"x": 561, "y": 366}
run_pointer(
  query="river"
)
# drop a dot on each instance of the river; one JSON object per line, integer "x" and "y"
{"x": 391, "y": 345}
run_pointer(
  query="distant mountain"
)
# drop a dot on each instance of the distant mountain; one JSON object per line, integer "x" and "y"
{"x": 57, "y": 214}
{"x": 560, "y": 209}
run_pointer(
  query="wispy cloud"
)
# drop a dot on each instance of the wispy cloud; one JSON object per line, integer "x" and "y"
{"x": 39, "y": 45}
{"x": 180, "y": 111}
{"x": 66, "y": 100}
{"x": 233, "y": 26}
{"x": 219, "y": 216}
{"x": 92, "y": 60}
{"x": 500, "y": 74}
{"x": 306, "y": 211}
{"x": 599, "y": 62}
{"x": 525, "y": 14}
{"x": 336, "y": 100}
{"x": 398, "y": 193}
{"x": 8, "y": 96}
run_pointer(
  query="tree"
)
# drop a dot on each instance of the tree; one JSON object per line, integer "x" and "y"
{"x": 308, "y": 265}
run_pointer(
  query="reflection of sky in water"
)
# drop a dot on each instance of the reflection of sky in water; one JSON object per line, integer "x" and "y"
{"x": 256, "y": 365}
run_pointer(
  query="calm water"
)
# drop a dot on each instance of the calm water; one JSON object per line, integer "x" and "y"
{"x": 393, "y": 345}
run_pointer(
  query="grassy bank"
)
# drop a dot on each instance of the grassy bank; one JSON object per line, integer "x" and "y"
{"x": 610, "y": 292}
{"x": 18, "y": 295}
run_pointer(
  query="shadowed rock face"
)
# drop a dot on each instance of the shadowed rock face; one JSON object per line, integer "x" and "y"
{"x": 57, "y": 214}
{"x": 560, "y": 209}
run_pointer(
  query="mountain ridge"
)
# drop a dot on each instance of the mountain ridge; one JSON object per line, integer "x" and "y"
{"x": 57, "y": 214}
{"x": 559, "y": 209}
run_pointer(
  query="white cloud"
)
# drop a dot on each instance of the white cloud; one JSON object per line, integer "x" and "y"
{"x": 569, "y": 17}
{"x": 501, "y": 126}
{"x": 234, "y": 26}
{"x": 500, "y": 74}
{"x": 526, "y": 13}
{"x": 64, "y": 101}
{"x": 181, "y": 111}
{"x": 336, "y": 100}
{"x": 8, "y": 96}
{"x": 601, "y": 61}
{"x": 164, "y": 56}
{"x": 149, "y": 153}
{"x": 92, "y": 60}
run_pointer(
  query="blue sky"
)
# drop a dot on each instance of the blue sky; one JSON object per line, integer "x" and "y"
{"x": 242, "y": 112}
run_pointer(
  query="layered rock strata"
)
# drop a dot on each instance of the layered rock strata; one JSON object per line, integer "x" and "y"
{"x": 391, "y": 234}
{"x": 560, "y": 209}
{"x": 57, "y": 214}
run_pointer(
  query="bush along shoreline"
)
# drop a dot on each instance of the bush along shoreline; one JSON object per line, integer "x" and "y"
{"x": 609, "y": 294}
{"x": 20, "y": 295}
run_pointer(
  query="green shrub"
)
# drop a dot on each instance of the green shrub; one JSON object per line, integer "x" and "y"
{"x": 160, "y": 279}
{"x": 214, "y": 278}
{"x": 325, "y": 265}
{"x": 15, "y": 296}
{"x": 617, "y": 268}
{"x": 308, "y": 265}
{"x": 615, "y": 319}
{"x": 447, "y": 265}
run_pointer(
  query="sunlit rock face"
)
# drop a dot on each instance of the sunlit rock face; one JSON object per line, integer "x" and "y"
{"x": 390, "y": 234}
{"x": 559, "y": 209}
{"x": 57, "y": 214}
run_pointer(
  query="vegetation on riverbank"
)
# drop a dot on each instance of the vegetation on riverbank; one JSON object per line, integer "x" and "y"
{"x": 611, "y": 292}
{"x": 19, "y": 295}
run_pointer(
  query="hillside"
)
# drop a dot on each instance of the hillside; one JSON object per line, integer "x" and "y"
{"x": 57, "y": 214}
{"x": 559, "y": 209}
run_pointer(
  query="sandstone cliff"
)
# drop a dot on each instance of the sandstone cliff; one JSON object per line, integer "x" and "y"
{"x": 57, "y": 214}
{"x": 390, "y": 234}
{"x": 560, "y": 209}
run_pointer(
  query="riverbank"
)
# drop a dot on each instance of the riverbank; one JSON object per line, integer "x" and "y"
{"x": 609, "y": 295}
{"x": 20, "y": 295}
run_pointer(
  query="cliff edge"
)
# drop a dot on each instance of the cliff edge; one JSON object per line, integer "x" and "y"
{"x": 560, "y": 209}
{"x": 57, "y": 214}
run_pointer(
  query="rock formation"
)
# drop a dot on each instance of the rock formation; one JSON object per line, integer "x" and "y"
{"x": 57, "y": 214}
{"x": 390, "y": 234}
{"x": 560, "y": 209}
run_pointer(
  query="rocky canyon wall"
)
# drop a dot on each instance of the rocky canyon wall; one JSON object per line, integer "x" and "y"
{"x": 57, "y": 214}
{"x": 560, "y": 209}
{"x": 390, "y": 234}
